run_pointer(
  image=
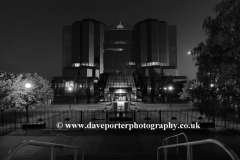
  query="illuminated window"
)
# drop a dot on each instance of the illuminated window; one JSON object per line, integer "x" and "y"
{"x": 118, "y": 49}
{"x": 120, "y": 42}
{"x": 109, "y": 49}
{"x": 131, "y": 63}
{"x": 69, "y": 84}
{"x": 114, "y": 49}
{"x": 89, "y": 72}
{"x": 84, "y": 64}
{"x": 120, "y": 80}
{"x": 76, "y": 64}
{"x": 144, "y": 64}
{"x": 97, "y": 73}
{"x": 153, "y": 64}
{"x": 91, "y": 64}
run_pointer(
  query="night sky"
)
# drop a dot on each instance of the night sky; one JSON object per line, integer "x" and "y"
{"x": 31, "y": 30}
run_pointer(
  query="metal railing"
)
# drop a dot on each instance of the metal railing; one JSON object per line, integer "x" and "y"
{"x": 177, "y": 135}
{"x": 13, "y": 120}
{"x": 67, "y": 140}
{"x": 189, "y": 145}
{"x": 75, "y": 142}
{"x": 44, "y": 144}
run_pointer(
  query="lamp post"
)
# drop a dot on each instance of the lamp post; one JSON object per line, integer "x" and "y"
{"x": 165, "y": 89}
{"x": 191, "y": 94}
{"x": 70, "y": 90}
{"x": 213, "y": 99}
{"x": 27, "y": 86}
{"x": 169, "y": 88}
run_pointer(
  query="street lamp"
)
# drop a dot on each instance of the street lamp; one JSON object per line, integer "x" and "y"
{"x": 189, "y": 52}
{"x": 191, "y": 94}
{"x": 170, "y": 88}
{"x": 27, "y": 86}
{"x": 70, "y": 90}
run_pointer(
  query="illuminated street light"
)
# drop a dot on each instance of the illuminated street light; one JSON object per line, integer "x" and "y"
{"x": 189, "y": 52}
{"x": 170, "y": 88}
{"x": 70, "y": 89}
{"x": 28, "y": 85}
{"x": 211, "y": 85}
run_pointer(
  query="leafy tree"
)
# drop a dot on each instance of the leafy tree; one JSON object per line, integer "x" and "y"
{"x": 43, "y": 90}
{"x": 13, "y": 92}
{"x": 218, "y": 60}
{"x": 10, "y": 89}
{"x": 203, "y": 99}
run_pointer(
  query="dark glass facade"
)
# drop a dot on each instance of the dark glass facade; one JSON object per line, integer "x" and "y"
{"x": 118, "y": 48}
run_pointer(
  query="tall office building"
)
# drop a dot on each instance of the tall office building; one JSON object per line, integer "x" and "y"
{"x": 118, "y": 61}
{"x": 83, "y": 48}
{"x": 156, "y": 45}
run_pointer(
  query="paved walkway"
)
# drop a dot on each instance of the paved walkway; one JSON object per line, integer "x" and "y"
{"x": 120, "y": 141}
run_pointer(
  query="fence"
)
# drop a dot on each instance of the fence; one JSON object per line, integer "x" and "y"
{"x": 15, "y": 119}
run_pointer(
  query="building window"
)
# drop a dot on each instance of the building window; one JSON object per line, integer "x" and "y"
{"x": 80, "y": 85}
{"x": 89, "y": 72}
{"x": 118, "y": 42}
{"x": 118, "y": 49}
{"x": 76, "y": 64}
{"x": 131, "y": 63}
{"x": 97, "y": 73}
{"x": 153, "y": 64}
{"x": 144, "y": 64}
{"x": 146, "y": 72}
{"x": 114, "y": 49}
{"x": 91, "y": 64}
{"x": 69, "y": 84}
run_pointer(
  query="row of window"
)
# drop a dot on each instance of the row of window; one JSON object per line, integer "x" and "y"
{"x": 128, "y": 63}
{"x": 153, "y": 64}
{"x": 71, "y": 84}
{"x": 131, "y": 63}
{"x": 114, "y": 49}
{"x": 118, "y": 42}
{"x": 85, "y": 64}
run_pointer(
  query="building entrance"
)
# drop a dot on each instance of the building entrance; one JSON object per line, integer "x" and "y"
{"x": 119, "y": 87}
{"x": 120, "y": 98}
